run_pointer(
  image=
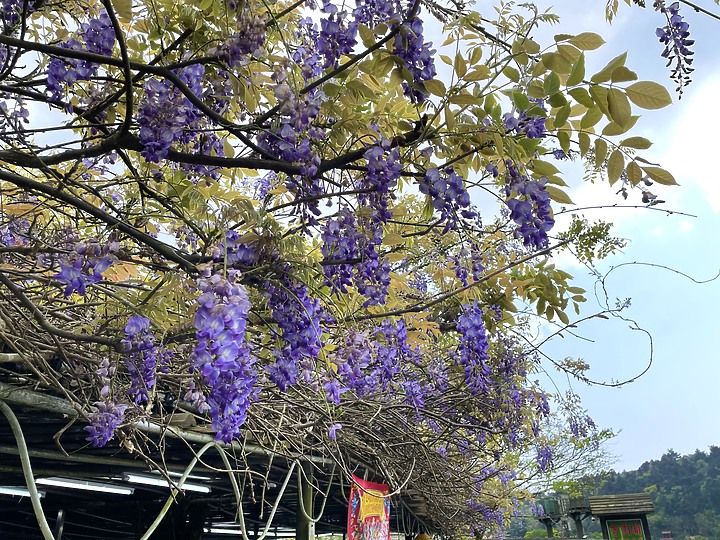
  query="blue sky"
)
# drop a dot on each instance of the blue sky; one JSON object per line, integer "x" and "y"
{"x": 674, "y": 405}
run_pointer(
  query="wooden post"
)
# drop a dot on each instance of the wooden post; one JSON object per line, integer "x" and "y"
{"x": 304, "y": 527}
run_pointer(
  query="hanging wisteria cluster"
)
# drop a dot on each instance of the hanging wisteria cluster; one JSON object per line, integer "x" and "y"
{"x": 675, "y": 36}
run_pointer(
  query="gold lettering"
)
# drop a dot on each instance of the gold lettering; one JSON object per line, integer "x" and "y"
{"x": 372, "y": 503}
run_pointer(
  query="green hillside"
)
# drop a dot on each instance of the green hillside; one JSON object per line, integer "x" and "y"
{"x": 685, "y": 489}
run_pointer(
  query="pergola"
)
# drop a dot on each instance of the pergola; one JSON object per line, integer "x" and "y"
{"x": 112, "y": 493}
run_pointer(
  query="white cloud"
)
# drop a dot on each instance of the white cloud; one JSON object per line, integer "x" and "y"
{"x": 692, "y": 142}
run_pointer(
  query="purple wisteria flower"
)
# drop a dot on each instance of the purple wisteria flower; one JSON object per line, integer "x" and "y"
{"x": 85, "y": 266}
{"x": 104, "y": 422}
{"x": 473, "y": 350}
{"x": 675, "y": 35}
{"x": 448, "y": 195}
{"x": 95, "y": 36}
{"x": 298, "y": 317}
{"x": 530, "y": 208}
{"x": 544, "y": 458}
{"x": 143, "y": 356}
{"x": 222, "y": 357}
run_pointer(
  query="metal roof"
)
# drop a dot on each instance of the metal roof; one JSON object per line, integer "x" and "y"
{"x": 630, "y": 503}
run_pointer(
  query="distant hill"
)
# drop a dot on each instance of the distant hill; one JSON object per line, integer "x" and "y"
{"x": 685, "y": 490}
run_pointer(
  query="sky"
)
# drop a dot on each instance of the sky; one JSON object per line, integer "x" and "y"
{"x": 674, "y": 405}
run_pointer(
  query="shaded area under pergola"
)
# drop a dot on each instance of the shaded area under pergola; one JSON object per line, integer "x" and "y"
{"x": 270, "y": 482}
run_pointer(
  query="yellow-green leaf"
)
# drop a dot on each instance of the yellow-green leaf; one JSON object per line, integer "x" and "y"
{"x": 436, "y": 87}
{"x": 591, "y": 118}
{"x": 561, "y": 117}
{"x": 460, "y": 65}
{"x": 367, "y": 35}
{"x": 648, "y": 95}
{"x": 551, "y": 84}
{"x": 465, "y": 99}
{"x": 601, "y": 149}
{"x": 581, "y": 96}
{"x": 584, "y": 143}
{"x": 613, "y": 129}
{"x": 587, "y": 41}
{"x": 557, "y": 63}
{"x": 480, "y": 73}
{"x": 634, "y": 173}
{"x": 511, "y": 73}
{"x": 123, "y": 8}
{"x": 564, "y": 140}
{"x": 392, "y": 239}
{"x": 558, "y": 195}
{"x": 616, "y": 164}
{"x": 639, "y": 143}
{"x": 578, "y": 72}
{"x": 619, "y": 107}
{"x": 660, "y": 175}
{"x": 605, "y": 73}
{"x": 623, "y": 74}
{"x": 544, "y": 168}
{"x": 600, "y": 96}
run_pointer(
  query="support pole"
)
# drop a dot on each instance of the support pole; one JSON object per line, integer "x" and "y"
{"x": 579, "y": 527}
{"x": 304, "y": 527}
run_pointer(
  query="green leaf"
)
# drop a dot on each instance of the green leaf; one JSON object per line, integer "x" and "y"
{"x": 123, "y": 8}
{"x": 561, "y": 117}
{"x": 634, "y": 173}
{"x": 551, "y": 84}
{"x": 581, "y": 96}
{"x": 578, "y": 72}
{"x": 616, "y": 164}
{"x": 584, "y": 143}
{"x": 623, "y": 74}
{"x": 479, "y": 73}
{"x": 605, "y": 73}
{"x": 521, "y": 101}
{"x": 601, "y": 149}
{"x": 564, "y": 140}
{"x": 332, "y": 89}
{"x": 613, "y": 129}
{"x": 639, "y": 143}
{"x": 557, "y": 63}
{"x": 587, "y": 41}
{"x": 557, "y": 100}
{"x": 511, "y": 73}
{"x": 619, "y": 107}
{"x": 460, "y": 65}
{"x": 544, "y": 168}
{"x": 558, "y": 195}
{"x": 660, "y": 175}
{"x": 563, "y": 37}
{"x": 367, "y": 35}
{"x": 648, "y": 95}
{"x": 436, "y": 87}
{"x": 591, "y": 117}
{"x": 600, "y": 96}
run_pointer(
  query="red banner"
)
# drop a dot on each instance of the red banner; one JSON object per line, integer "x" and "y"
{"x": 368, "y": 511}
